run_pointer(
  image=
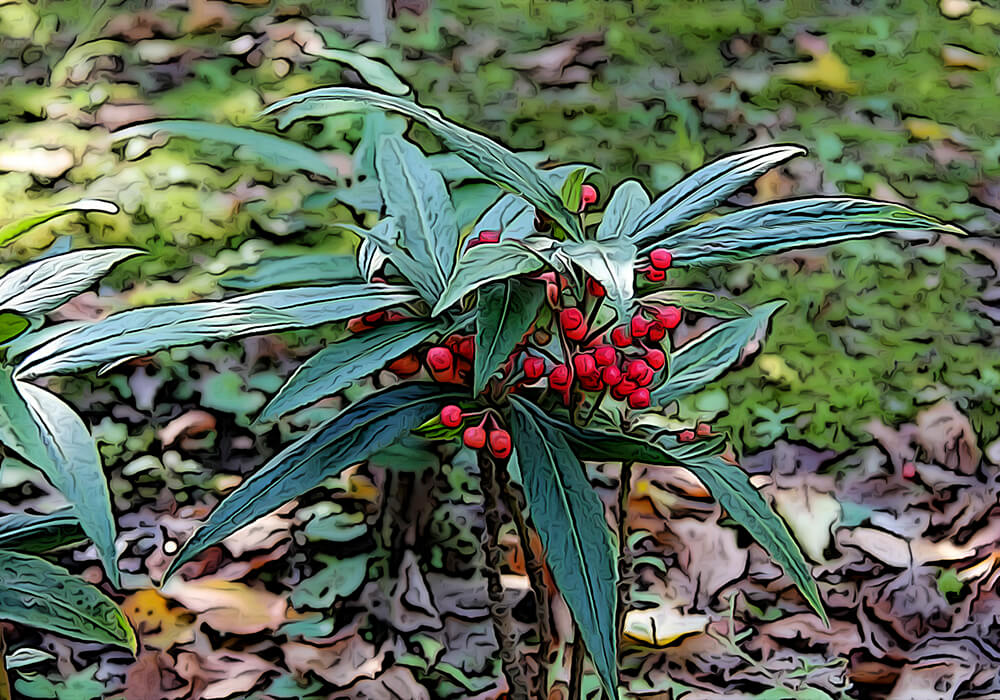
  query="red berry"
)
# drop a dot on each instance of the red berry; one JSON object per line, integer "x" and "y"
{"x": 534, "y": 367}
{"x": 467, "y": 348}
{"x": 559, "y": 377}
{"x": 623, "y": 389}
{"x": 375, "y": 318}
{"x": 451, "y": 416}
{"x": 474, "y": 437}
{"x": 909, "y": 470}
{"x": 588, "y": 195}
{"x": 639, "y": 398}
{"x": 686, "y": 436}
{"x": 657, "y": 332}
{"x": 592, "y": 383}
{"x": 656, "y": 359}
{"x": 489, "y": 236}
{"x": 636, "y": 369}
{"x": 357, "y": 325}
{"x": 405, "y": 366}
{"x": 639, "y": 327}
{"x": 577, "y": 334}
{"x": 669, "y": 316}
{"x": 500, "y": 444}
{"x": 605, "y": 355}
{"x": 584, "y": 365}
{"x": 439, "y": 358}
{"x": 595, "y": 288}
{"x": 571, "y": 319}
{"x": 473, "y": 242}
{"x": 703, "y": 430}
{"x": 621, "y": 337}
{"x": 660, "y": 258}
{"x": 611, "y": 375}
{"x": 654, "y": 275}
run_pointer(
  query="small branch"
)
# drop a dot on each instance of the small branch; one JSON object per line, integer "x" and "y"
{"x": 576, "y": 669}
{"x": 4, "y": 680}
{"x": 625, "y": 574}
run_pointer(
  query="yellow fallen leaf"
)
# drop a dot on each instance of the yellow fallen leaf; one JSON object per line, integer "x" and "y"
{"x": 926, "y": 129}
{"x": 776, "y": 369}
{"x": 160, "y": 626}
{"x": 961, "y": 57}
{"x": 662, "y": 626}
{"x": 811, "y": 515}
{"x": 825, "y": 70}
{"x": 229, "y": 606}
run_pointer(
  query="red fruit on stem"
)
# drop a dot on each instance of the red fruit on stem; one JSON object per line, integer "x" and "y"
{"x": 621, "y": 337}
{"x": 623, "y": 389}
{"x": 588, "y": 195}
{"x": 584, "y": 365}
{"x": 611, "y": 375}
{"x": 577, "y": 334}
{"x": 500, "y": 444}
{"x": 595, "y": 288}
{"x": 571, "y": 319}
{"x": 591, "y": 383}
{"x": 489, "y": 236}
{"x": 660, "y": 258}
{"x": 473, "y": 242}
{"x": 909, "y": 470}
{"x": 534, "y": 367}
{"x": 375, "y": 318}
{"x": 654, "y": 275}
{"x": 656, "y": 359}
{"x": 657, "y": 332}
{"x": 639, "y": 326}
{"x": 474, "y": 437}
{"x": 669, "y": 316}
{"x": 636, "y": 369}
{"x": 451, "y": 416}
{"x": 439, "y": 358}
{"x": 467, "y": 348}
{"x": 639, "y": 398}
{"x": 357, "y": 325}
{"x": 703, "y": 430}
{"x": 686, "y": 436}
{"x": 405, "y": 366}
{"x": 605, "y": 355}
{"x": 559, "y": 377}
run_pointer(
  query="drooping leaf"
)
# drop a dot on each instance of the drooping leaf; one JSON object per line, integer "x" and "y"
{"x": 572, "y": 188}
{"x": 488, "y": 157}
{"x": 35, "y": 533}
{"x": 286, "y": 271}
{"x": 511, "y": 216}
{"x": 579, "y": 547}
{"x": 416, "y": 196}
{"x": 43, "y": 285}
{"x": 612, "y": 264}
{"x": 13, "y": 229}
{"x": 272, "y": 151}
{"x": 360, "y": 431}
{"x": 491, "y": 263}
{"x": 505, "y": 312}
{"x": 627, "y": 203}
{"x": 372, "y": 71}
{"x": 48, "y": 434}
{"x": 340, "y": 364}
{"x": 702, "y": 190}
{"x": 141, "y": 332}
{"x": 11, "y": 326}
{"x": 797, "y": 223}
{"x": 708, "y": 356}
{"x": 36, "y": 593}
{"x": 696, "y": 301}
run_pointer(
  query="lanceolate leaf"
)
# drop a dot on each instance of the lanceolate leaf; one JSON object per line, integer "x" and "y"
{"x": 416, "y": 196}
{"x": 704, "y": 359}
{"x": 275, "y": 152}
{"x": 627, "y": 203}
{"x": 511, "y": 216}
{"x": 491, "y": 262}
{"x": 696, "y": 301}
{"x": 46, "y": 433}
{"x": 372, "y": 71}
{"x": 141, "y": 332}
{"x": 780, "y": 226}
{"x": 505, "y": 312}
{"x": 572, "y": 189}
{"x": 34, "y": 533}
{"x": 731, "y": 487}
{"x": 386, "y": 236}
{"x": 358, "y": 432}
{"x": 285, "y": 271}
{"x": 38, "y": 594}
{"x": 488, "y": 157}
{"x": 46, "y": 284}
{"x": 579, "y": 547}
{"x": 611, "y": 263}
{"x": 11, "y": 326}
{"x": 10, "y": 231}
{"x": 340, "y": 364}
{"x": 699, "y": 192}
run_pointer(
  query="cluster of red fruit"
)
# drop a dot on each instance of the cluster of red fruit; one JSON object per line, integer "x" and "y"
{"x": 703, "y": 430}
{"x": 660, "y": 260}
{"x": 475, "y": 436}
{"x": 484, "y": 237}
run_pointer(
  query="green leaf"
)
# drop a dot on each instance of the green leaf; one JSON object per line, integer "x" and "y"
{"x": 708, "y": 356}
{"x": 696, "y": 301}
{"x": 372, "y": 71}
{"x": 731, "y": 487}
{"x": 141, "y": 332}
{"x": 473, "y": 198}
{"x": 487, "y": 156}
{"x": 11, "y": 326}
{"x": 35, "y": 533}
{"x": 38, "y": 594}
{"x": 291, "y": 270}
{"x": 46, "y": 433}
{"x": 579, "y": 547}
{"x": 572, "y": 188}
{"x": 702, "y": 190}
{"x": 492, "y": 262}
{"x": 612, "y": 264}
{"x": 46, "y": 284}
{"x": 511, "y": 215}
{"x": 505, "y": 312}
{"x": 343, "y": 363}
{"x": 13, "y": 229}
{"x": 416, "y": 196}
{"x": 360, "y": 431}
{"x": 780, "y": 226}
{"x": 274, "y": 152}
{"x": 386, "y": 236}
{"x": 627, "y": 203}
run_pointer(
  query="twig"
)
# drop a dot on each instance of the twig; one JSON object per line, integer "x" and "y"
{"x": 576, "y": 668}
{"x": 624, "y": 550}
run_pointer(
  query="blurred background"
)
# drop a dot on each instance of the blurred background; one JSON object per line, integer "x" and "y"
{"x": 886, "y": 352}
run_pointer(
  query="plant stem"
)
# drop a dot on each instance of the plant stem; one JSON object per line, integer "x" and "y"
{"x": 593, "y": 409}
{"x": 4, "y": 679}
{"x": 576, "y": 668}
{"x": 624, "y": 551}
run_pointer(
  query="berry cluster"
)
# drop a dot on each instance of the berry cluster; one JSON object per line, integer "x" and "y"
{"x": 452, "y": 362}
{"x": 476, "y": 436}
{"x": 484, "y": 237}
{"x": 660, "y": 260}
{"x": 703, "y": 430}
